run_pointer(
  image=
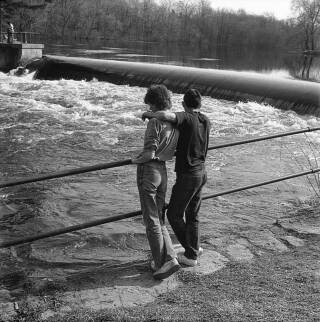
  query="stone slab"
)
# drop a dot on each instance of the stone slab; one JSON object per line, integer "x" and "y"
{"x": 128, "y": 290}
{"x": 265, "y": 239}
{"x": 293, "y": 241}
{"x": 239, "y": 252}
{"x": 301, "y": 228}
{"x": 135, "y": 287}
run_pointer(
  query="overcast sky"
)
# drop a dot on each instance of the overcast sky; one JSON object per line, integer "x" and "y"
{"x": 279, "y": 8}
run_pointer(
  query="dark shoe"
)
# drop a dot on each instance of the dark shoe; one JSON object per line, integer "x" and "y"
{"x": 167, "y": 269}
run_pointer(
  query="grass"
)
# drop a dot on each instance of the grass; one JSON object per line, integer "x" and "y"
{"x": 274, "y": 287}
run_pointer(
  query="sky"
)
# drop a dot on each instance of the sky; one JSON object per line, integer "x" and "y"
{"x": 279, "y": 8}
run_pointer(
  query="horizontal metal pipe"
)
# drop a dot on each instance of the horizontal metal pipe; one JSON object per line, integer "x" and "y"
{"x": 69, "y": 229}
{"x": 262, "y": 138}
{"x": 66, "y": 173}
{"x": 136, "y": 213}
{"x": 128, "y": 161}
{"x": 259, "y": 184}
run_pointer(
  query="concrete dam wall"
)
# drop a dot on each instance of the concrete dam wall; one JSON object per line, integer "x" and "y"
{"x": 301, "y": 96}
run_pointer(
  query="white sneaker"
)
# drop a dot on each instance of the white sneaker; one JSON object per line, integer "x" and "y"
{"x": 200, "y": 251}
{"x": 187, "y": 261}
{"x": 167, "y": 269}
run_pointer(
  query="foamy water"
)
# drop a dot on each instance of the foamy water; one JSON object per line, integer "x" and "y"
{"x": 48, "y": 126}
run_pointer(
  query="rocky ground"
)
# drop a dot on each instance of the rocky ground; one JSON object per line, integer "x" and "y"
{"x": 119, "y": 287}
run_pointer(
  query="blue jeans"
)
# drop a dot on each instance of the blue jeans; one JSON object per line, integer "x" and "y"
{"x": 152, "y": 186}
{"x": 185, "y": 202}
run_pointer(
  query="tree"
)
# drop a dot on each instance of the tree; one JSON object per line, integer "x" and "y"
{"x": 308, "y": 19}
{"x": 9, "y": 6}
{"x": 61, "y": 15}
{"x": 20, "y": 12}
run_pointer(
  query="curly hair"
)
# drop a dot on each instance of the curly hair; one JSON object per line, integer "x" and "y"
{"x": 159, "y": 96}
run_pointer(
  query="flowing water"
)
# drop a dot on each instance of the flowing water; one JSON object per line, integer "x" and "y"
{"x": 48, "y": 126}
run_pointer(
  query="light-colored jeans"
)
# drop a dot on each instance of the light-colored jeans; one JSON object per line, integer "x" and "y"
{"x": 152, "y": 186}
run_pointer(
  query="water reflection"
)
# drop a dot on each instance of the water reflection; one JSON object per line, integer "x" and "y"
{"x": 281, "y": 63}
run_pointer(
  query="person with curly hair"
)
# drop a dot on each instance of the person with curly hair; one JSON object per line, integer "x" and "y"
{"x": 160, "y": 142}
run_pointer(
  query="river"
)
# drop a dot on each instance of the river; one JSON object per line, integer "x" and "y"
{"x": 48, "y": 126}
{"x": 288, "y": 63}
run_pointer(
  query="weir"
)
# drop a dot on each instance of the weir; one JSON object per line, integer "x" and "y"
{"x": 300, "y": 96}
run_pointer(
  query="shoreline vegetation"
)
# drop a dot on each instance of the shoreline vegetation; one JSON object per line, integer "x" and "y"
{"x": 192, "y": 22}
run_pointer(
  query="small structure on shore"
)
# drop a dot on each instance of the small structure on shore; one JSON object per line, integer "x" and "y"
{"x": 18, "y": 52}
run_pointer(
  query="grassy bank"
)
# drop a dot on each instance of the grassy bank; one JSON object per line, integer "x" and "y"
{"x": 274, "y": 287}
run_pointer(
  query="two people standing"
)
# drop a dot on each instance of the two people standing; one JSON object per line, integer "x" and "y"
{"x": 185, "y": 201}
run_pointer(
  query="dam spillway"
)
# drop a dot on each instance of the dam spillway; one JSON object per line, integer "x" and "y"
{"x": 300, "y": 96}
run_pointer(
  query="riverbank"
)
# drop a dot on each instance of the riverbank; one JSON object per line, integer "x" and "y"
{"x": 275, "y": 288}
{"x": 271, "y": 273}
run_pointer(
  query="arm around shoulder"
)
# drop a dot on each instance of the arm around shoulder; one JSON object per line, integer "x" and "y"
{"x": 165, "y": 116}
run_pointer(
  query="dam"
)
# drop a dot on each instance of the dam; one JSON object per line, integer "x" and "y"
{"x": 300, "y": 96}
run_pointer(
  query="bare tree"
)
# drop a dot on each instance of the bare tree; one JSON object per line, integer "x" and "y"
{"x": 308, "y": 19}
{"x": 178, "y": 21}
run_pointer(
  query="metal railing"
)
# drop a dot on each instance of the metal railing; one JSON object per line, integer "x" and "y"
{"x": 137, "y": 213}
{"x": 116, "y": 164}
{"x": 20, "y": 37}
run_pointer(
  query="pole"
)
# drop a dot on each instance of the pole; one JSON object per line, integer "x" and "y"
{"x": 103, "y": 166}
{"x": 262, "y": 138}
{"x": 69, "y": 229}
{"x": 263, "y": 183}
{"x": 65, "y": 173}
{"x": 137, "y": 213}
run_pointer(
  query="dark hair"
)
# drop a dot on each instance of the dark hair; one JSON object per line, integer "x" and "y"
{"x": 192, "y": 98}
{"x": 159, "y": 96}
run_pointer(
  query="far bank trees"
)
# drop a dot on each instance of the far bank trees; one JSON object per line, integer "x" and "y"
{"x": 307, "y": 22}
{"x": 192, "y": 22}
{"x": 186, "y": 22}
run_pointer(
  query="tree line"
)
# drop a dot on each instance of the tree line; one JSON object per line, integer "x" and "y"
{"x": 192, "y": 22}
